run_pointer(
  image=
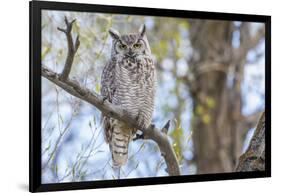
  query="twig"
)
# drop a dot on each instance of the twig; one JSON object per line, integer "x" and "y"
{"x": 57, "y": 143}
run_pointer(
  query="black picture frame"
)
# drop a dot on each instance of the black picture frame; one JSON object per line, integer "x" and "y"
{"x": 35, "y": 8}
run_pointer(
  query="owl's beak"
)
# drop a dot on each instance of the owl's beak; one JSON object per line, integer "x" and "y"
{"x": 130, "y": 53}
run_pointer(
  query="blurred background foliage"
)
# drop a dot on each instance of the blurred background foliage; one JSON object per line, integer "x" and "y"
{"x": 210, "y": 83}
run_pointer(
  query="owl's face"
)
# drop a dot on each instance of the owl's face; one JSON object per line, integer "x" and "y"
{"x": 129, "y": 45}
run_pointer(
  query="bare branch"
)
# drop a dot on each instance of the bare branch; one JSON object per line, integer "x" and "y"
{"x": 72, "y": 48}
{"x": 74, "y": 88}
{"x": 254, "y": 157}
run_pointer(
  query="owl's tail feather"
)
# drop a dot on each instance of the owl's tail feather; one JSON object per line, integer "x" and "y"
{"x": 119, "y": 146}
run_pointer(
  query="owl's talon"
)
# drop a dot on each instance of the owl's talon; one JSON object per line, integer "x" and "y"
{"x": 104, "y": 99}
{"x": 138, "y": 136}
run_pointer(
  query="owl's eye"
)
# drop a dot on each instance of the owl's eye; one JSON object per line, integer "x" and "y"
{"x": 122, "y": 46}
{"x": 137, "y": 45}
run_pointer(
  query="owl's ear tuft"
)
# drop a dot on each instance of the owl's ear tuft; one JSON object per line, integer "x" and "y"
{"x": 114, "y": 34}
{"x": 142, "y": 30}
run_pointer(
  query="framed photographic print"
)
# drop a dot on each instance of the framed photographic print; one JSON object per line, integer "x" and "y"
{"x": 127, "y": 96}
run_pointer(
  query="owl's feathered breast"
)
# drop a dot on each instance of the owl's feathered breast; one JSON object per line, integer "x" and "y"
{"x": 129, "y": 82}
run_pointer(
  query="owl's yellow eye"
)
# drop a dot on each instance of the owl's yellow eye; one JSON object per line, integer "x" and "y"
{"x": 137, "y": 45}
{"x": 122, "y": 46}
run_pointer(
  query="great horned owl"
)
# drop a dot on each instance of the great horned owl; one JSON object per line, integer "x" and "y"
{"x": 128, "y": 80}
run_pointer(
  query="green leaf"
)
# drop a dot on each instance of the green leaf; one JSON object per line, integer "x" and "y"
{"x": 206, "y": 118}
{"x": 61, "y": 119}
{"x": 46, "y": 50}
{"x": 184, "y": 25}
{"x": 97, "y": 88}
{"x": 211, "y": 103}
{"x": 48, "y": 147}
{"x": 199, "y": 110}
{"x": 177, "y": 134}
{"x": 56, "y": 169}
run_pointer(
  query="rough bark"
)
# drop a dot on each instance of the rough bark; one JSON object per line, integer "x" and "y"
{"x": 254, "y": 157}
{"x": 74, "y": 88}
{"x": 218, "y": 124}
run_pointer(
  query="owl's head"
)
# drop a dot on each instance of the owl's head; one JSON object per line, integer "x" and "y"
{"x": 129, "y": 45}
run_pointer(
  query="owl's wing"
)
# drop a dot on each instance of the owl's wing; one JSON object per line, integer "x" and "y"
{"x": 107, "y": 91}
{"x": 107, "y": 81}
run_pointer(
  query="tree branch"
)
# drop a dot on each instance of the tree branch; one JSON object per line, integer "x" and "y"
{"x": 254, "y": 157}
{"x": 72, "y": 48}
{"x": 74, "y": 88}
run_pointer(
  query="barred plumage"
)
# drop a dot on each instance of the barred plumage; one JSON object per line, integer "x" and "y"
{"x": 128, "y": 80}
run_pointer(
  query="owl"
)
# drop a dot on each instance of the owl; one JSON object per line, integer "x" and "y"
{"x": 128, "y": 80}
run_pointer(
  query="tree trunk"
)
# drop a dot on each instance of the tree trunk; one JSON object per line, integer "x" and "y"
{"x": 254, "y": 157}
{"x": 217, "y": 71}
